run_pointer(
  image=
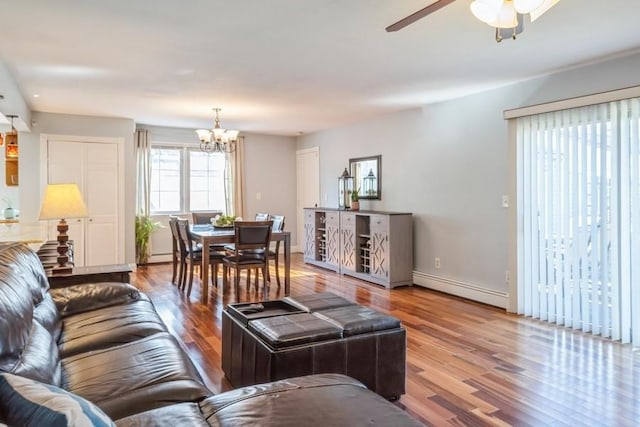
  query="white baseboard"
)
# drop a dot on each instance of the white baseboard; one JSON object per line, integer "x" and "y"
{"x": 461, "y": 289}
{"x": 159, "y": 258}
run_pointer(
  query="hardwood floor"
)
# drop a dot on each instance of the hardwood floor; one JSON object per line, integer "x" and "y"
{"x": 467, "y": 363}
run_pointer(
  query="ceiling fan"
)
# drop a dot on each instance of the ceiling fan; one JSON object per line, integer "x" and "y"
{"x": 506, "y": 16}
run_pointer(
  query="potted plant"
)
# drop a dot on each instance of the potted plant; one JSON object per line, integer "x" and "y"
{"x": 355, "y": 199}
{"x": 144, "y": 227}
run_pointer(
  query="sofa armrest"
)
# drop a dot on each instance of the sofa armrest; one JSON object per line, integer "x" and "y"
{"x": 91, "y": 296}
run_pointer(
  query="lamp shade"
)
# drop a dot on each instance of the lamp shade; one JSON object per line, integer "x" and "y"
{"x": 63, "y": 201}
{"x": 204, "y": 135}
{"x": 498, "y": 14}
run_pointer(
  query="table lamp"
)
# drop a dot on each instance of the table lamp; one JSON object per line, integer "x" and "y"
{"x": 62, "y": 201}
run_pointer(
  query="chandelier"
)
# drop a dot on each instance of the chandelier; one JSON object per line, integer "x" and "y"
{"x": 507, "y": 16}
{"x": 217, "y": 140}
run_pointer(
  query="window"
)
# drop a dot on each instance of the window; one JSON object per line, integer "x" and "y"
{"x": 185, "y": 179}
{"x": 579, "y": 218}
{"x": 166, "y": 167}
{"x": 206, "y": 181}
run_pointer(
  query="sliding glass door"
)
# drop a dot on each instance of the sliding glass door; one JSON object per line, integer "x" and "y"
{"x": 579, "y": 218}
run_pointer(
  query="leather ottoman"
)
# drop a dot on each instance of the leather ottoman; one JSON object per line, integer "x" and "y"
{"x": 315, "y": 335}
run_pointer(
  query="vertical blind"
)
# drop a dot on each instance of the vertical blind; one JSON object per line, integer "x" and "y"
{"x": 579, "y": 218}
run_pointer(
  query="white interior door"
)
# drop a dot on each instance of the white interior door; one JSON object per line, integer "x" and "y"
{"x": 94, "y": 167}
{"x": 101, "y": 196}
{"x": 65, "y": 164}
{"x": 308, "y": 186}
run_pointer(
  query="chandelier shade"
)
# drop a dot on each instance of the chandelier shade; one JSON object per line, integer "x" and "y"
{"x": 498, "y": 14}
{"x": 507, "y": 16}
{"x": 218, "y": 139}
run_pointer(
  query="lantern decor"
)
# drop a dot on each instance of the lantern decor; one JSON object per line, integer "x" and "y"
{"x": 345, "y": 186}
{"x": 11, "y": 139}
{"x": 370, "y": 184}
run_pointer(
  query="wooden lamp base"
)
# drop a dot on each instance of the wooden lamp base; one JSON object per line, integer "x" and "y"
{"x": 63, "y": 250}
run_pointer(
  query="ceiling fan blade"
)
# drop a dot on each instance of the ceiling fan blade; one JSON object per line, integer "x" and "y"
{"x": 439, "y": 4}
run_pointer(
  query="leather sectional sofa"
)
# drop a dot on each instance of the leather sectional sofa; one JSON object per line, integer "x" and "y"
{"x": 103, "y": 346}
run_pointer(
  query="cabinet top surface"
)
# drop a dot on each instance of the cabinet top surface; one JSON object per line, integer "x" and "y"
{"x": 361, "y": 211}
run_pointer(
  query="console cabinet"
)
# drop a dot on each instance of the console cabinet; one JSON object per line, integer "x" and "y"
{"x": 322, "y": 238}
{"x": 370, "y": 245}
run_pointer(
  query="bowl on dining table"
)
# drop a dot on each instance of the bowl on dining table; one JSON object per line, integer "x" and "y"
{"x": 224, "y": 221}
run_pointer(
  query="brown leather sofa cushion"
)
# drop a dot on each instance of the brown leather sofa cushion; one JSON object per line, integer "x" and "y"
{"x": 293, "y": 329}
{"x": 46, "y": 313}
{"x": 318, "y": 400}
{"x": 178, "y": 415}
{"x": 356, "y": 320}
{"x": 134, "y": 377}
{"x": 19, "y": 261}
{"x": 109, "y": 326}
{"x": 91, "y": 296}
{"x": 39, "y": 361}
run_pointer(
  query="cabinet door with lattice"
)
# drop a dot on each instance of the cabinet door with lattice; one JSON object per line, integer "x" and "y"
{"x": 380, "y": 246}
{"x": 309, "y": 235}
{"x": 333, "y": 238}
{"x": 348, "y": 241}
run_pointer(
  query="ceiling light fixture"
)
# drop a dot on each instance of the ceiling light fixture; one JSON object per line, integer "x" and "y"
{"x": 217, "y": 140}
{"x": 507, "y": 16}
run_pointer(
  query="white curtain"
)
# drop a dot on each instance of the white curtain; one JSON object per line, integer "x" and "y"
{"x": 142, "y": 147}
{"x": 234, "y": 180}
{"x": 579, "y": 218}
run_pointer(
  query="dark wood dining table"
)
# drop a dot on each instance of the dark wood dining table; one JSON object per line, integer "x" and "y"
{"x": 208, "y": 235}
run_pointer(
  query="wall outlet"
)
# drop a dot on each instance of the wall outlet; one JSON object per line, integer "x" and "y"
{"x": 507, "y": 277}
{"x": 258, "y": 196}
{"x": 437, "y": 262}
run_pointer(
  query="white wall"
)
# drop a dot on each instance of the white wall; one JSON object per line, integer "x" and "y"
{"x": 449, "y": 165}
{"x": 270, "y": 169}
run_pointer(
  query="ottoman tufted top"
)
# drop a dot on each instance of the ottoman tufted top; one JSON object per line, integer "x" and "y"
{"x": 356, "y": 319}
{"x": 319, "y": 301}
{"x": 294, "y": 329}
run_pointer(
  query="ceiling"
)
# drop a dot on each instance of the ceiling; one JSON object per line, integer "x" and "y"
{"x": 283, "y": 66}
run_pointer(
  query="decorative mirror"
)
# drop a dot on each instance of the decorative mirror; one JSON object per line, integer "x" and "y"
{"x": 366, "y": 176}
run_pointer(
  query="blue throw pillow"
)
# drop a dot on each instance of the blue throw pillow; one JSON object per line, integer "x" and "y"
{"x": 25, "y": 402}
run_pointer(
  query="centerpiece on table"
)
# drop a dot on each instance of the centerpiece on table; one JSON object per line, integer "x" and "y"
{"x": 224, "y": 221}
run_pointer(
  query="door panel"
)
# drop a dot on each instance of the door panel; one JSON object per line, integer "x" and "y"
{"x": 65, "y": 163}
{"x": 100, "y": 246}
{"x": 94, "y": 167}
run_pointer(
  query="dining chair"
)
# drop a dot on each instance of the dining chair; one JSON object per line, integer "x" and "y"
{"x": 278, "y": 225}
{"x": 178, "y": 252}
{"x": 260, "y": 216}
{"x": 194, "y": 255}
{"x": 230, "y": 247}
{"x": 252, "y": 240}
{"x": 204, "y": 217}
